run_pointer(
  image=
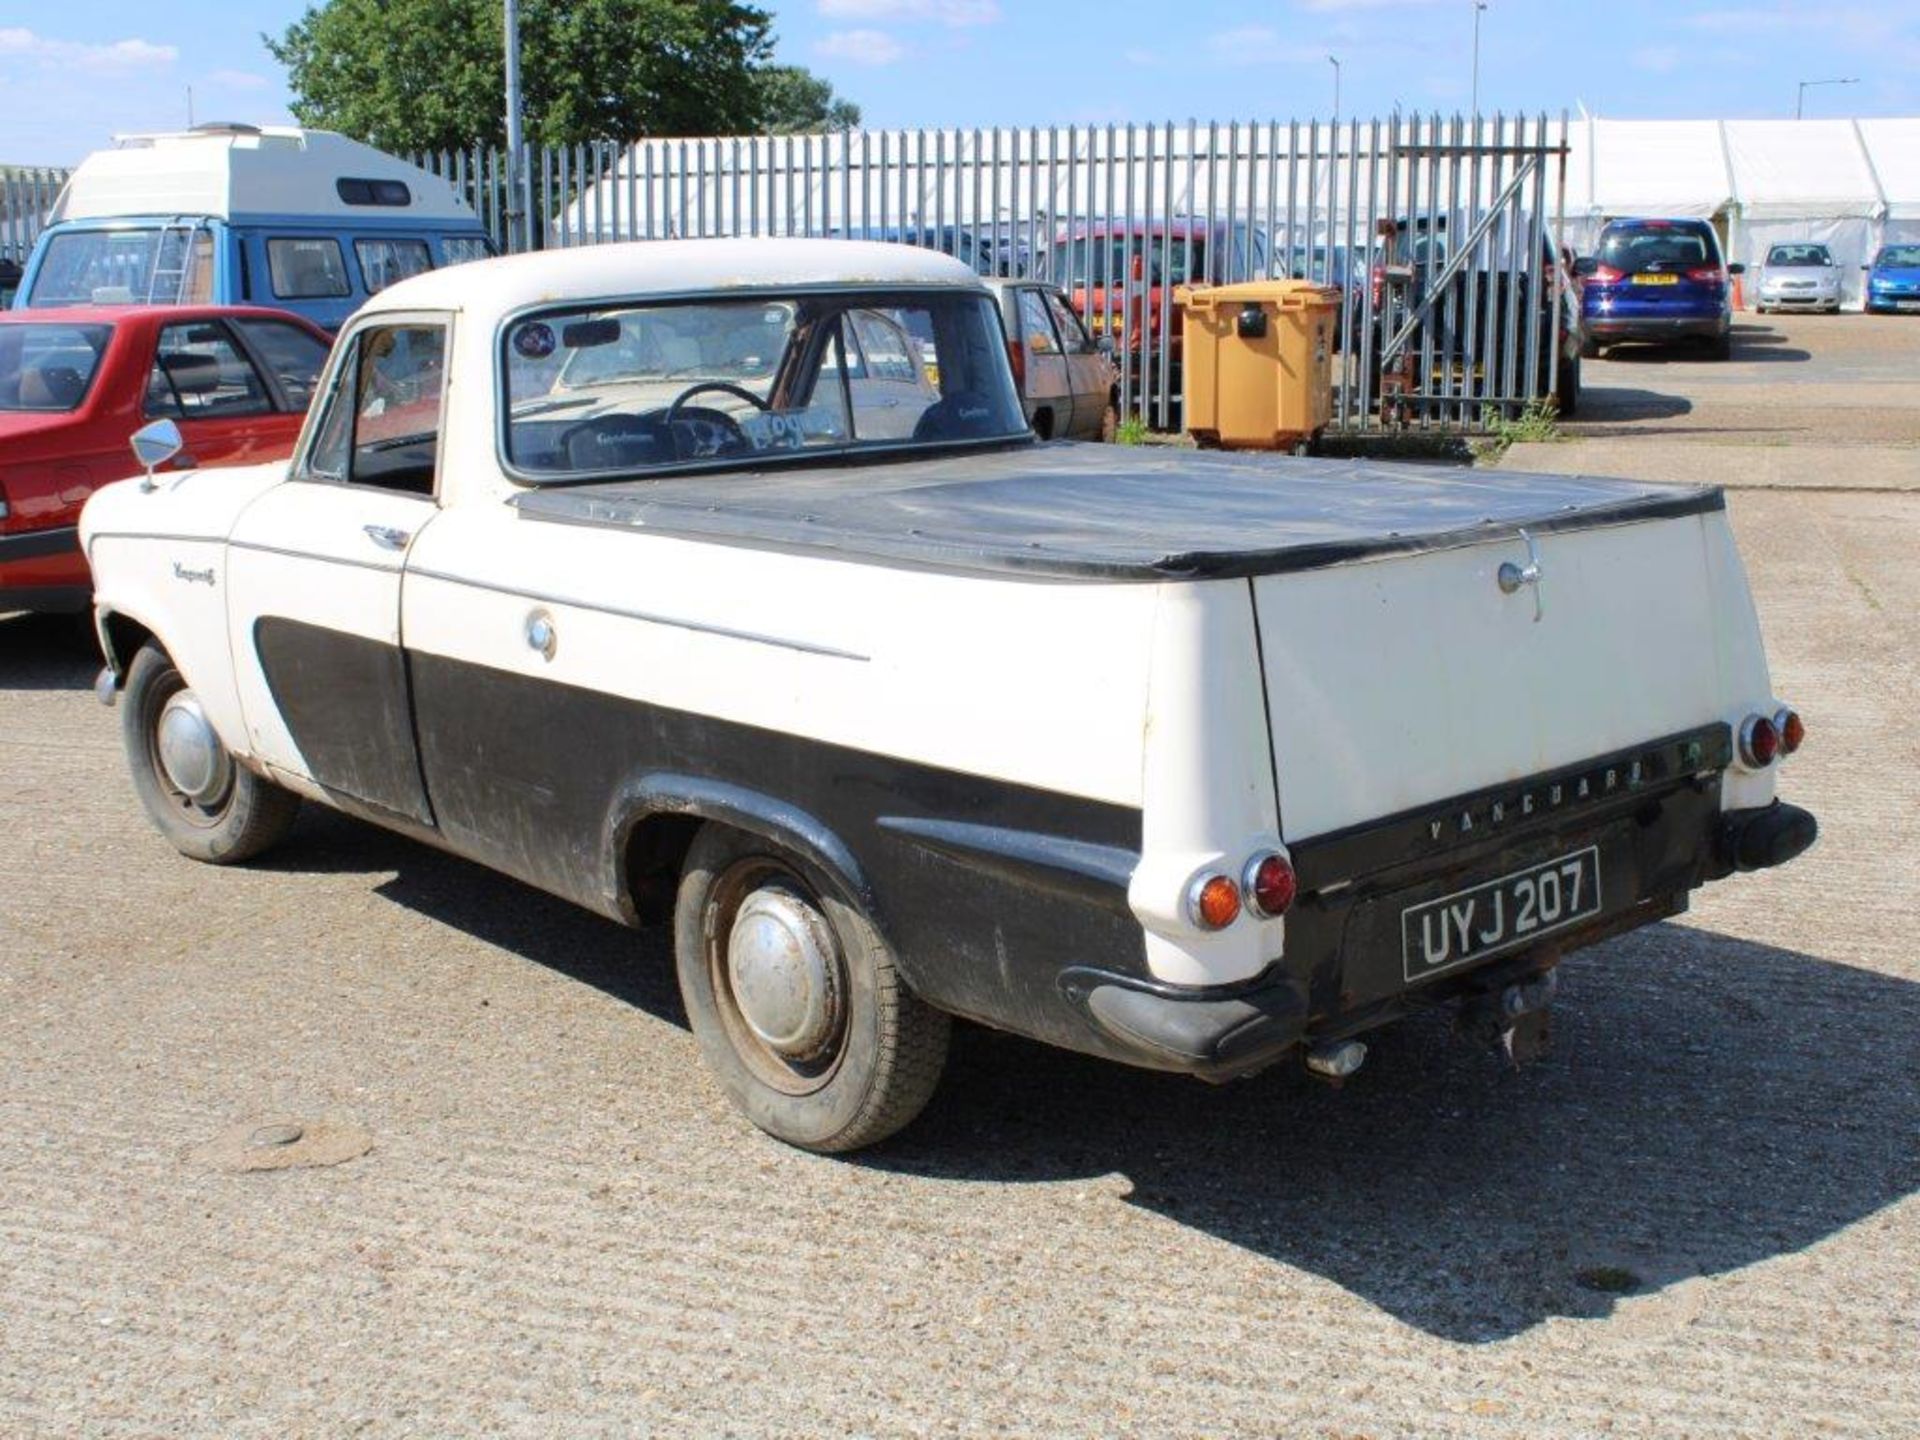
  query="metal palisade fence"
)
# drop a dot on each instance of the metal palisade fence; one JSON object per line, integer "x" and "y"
{"x": 26, "y": 194}
{"x": 1440, "y": 233}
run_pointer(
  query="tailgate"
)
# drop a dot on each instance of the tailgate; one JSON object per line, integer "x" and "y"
{"x": 1407, "y": 679}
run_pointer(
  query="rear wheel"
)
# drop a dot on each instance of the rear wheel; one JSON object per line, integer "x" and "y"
{"x": 1720, "y": 347}
{"x": 1567, "y": 395}
{"x": 795, "y": 1000}
{"x": 1590, "y": 349}
{"x": 196, "y": 794}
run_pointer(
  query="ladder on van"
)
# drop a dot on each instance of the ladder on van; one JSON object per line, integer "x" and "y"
{"x": 163, "y": 276}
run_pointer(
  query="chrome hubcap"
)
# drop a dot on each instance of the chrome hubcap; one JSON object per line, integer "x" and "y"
{"x": 195, "y": 762}
{"x": 781, "y": 968}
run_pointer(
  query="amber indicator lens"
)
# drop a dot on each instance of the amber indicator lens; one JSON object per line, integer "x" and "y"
{"x": 1216, "y": 902}
{"x": 1793, "y": 731}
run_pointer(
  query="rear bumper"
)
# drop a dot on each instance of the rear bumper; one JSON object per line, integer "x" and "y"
{"x": 1660, "y": 834}
{"x": 1657, "y": 327}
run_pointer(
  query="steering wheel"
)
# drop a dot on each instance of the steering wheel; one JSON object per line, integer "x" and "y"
{"x": 724, "y": 386}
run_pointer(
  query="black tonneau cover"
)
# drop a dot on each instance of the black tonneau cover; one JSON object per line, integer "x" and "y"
{"x": 1112, "y": 512}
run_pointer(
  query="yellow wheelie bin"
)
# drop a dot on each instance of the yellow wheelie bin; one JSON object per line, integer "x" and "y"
{"x": 1257, "y": 367}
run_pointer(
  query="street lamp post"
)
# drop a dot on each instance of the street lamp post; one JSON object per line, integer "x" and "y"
{"x": 1800, "y": 100}
{"x": 1474, "y": 107}
{"x": 516, "y": 210}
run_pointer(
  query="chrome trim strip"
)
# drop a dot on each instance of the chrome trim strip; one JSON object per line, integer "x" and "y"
{"x": 805, "y": 647}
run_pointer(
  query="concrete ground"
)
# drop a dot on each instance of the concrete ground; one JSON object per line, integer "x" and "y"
{"x": 529, "y": 1212}
{"x": 1807, "y": 401}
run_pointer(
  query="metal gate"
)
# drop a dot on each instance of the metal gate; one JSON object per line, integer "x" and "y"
{"x": 1441, "y": 233}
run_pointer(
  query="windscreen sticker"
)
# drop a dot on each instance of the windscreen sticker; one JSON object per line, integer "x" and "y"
{"x": 533, "y": 341}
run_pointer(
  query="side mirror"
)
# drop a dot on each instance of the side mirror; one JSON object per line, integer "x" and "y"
{"x": 1104, "y": 344}
{"x": 1585, "y": 265}
{"x": 1736, "y": 269}
{"x": 153, "y": 445}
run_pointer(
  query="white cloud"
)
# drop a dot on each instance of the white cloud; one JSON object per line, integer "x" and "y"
{"x": 239, "y": 80}
{"x": 861, "y": 47}
{"x": 131, "y": 54}
{"x": 945, "y": 12}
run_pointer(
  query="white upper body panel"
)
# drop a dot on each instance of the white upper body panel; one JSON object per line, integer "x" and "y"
{"x": 230, "y": 174}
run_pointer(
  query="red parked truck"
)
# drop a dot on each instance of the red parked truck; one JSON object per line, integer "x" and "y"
{"x": 75, "y": 383}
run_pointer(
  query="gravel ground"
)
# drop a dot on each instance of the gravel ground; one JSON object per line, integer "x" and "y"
{"x": 529, "y": 1212}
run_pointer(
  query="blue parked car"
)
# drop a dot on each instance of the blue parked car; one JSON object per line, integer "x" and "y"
{"x": 1893, "y": 279}
{"x": 1659, "y": 280}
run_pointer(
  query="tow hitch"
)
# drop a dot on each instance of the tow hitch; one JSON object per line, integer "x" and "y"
{"x": 1513, "y": 1019}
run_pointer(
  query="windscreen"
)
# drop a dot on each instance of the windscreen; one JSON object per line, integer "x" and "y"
{"x": 1653, "y": 248}
{"x": 1107, "y": 259}
{"x": 49, "y": 368}
{"x": 1903, "y": 256}
{"x": 1794, "y": 255}
{"x": 108, "y": 267}
{"x": 748, "y": 381}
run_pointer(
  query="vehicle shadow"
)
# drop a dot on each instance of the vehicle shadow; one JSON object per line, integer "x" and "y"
{"x": 1751, "y": 344}
{"x": 1600, "y": 404}
{"x": 47, "y": 652}
{"x": 1710, "y": 1103}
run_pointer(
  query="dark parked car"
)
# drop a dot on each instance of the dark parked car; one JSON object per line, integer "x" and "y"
{"x": 1658, "y": 280}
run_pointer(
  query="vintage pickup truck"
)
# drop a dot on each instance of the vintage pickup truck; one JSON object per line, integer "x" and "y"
{"x": 721, "y": 584}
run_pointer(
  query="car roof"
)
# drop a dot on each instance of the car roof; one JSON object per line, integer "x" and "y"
{"x": 648, "y": 269}
{"x": 118, "y": 314}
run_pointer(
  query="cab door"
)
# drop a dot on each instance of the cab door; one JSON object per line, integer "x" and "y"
{"x": 1049, "y": 396}
{"x": 315, "y": 568}
{"x": 1090, "y": 373}
{"x": 229, "y": 410}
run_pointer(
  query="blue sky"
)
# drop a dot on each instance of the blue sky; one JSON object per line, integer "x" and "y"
{"x": 73, "y": 75}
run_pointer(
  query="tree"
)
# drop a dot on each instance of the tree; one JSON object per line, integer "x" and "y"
{"x": 411, "y": 75}
{"x": 795, "y": 101}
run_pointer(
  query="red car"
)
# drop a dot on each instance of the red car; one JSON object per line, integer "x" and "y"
{"x": 76, "y": 383}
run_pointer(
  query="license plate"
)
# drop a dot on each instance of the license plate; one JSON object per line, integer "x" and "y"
{"x": 1906, "y": 304}
{"x": 1656, "y": 279}
{"x": 1483, "y": 919}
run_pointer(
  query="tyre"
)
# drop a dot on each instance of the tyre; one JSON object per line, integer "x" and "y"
{"x": 1110, "y": 422}
{"x": 1720, "y": 347}
{"x": 1589, "y": 349}
{"x": 1567, "y": 395}
{"x": 206, "y": 805}
{"x": 795, "y": 1000}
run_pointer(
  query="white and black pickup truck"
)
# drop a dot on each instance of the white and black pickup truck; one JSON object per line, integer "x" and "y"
{"x": 720, "y": 584}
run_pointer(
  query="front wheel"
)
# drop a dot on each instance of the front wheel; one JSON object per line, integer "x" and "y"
{"x": 196, "y": 794}
{"x": 795, "y": 1000}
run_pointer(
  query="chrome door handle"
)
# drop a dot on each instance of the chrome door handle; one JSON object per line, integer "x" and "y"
{"x": 1511, "y": 576}
{"x": 386, "y": 537}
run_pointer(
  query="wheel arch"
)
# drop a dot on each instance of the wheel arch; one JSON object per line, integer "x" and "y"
{"x": 121, "y": 636}
{"x": 652, "y": 821}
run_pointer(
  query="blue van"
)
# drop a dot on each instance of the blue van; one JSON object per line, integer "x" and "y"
{"x": 302, "y": 220}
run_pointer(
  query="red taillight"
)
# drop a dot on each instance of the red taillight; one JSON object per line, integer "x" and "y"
{"x": 1607, "y": 275}
{"x": 1017, "y": 355}
{"x": 1793, "y": 730}
{"x": 1759, "y": 742}
{"x": 1271, "y": 885}
{"x": 1379, "y": 284}
{"x": 1707, "y": 275}
{"x": 1213, "y": 902}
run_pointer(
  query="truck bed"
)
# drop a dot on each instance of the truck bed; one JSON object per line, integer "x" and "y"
{"x": 1106, "y": 512}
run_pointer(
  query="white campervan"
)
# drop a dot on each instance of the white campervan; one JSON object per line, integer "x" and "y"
{"x": 303, "y": 220}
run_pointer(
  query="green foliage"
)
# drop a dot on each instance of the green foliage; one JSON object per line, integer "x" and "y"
{"x": 1132, "y": 431}
{"x": 1535, "y": 423}
{"x": 795, "y": 101}
{"x": 409, "y": 75}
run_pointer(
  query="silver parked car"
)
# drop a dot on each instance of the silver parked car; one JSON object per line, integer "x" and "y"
{"x": 1068, "y": 383}
{"x": 1799, "y": 277}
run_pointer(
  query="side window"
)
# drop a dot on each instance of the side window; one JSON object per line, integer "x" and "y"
{"x": 1036, "y": 329}
{"x": 381, "y": 426}
{"x": 308, "y": 268}
{"x": 459, "y": 249}
{"x": 1073, "y": 334}
{"x": 200, "y": 374}
{"x": 295, "y": 357}
{"x": 388, "y": 262}
{"x": 889, "y": 351}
